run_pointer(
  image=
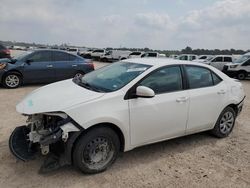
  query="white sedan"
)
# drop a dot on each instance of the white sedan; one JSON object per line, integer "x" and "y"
{"x": 87, "y": 121}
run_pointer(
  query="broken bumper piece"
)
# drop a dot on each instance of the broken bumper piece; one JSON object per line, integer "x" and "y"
{"x": 19, "y": 144}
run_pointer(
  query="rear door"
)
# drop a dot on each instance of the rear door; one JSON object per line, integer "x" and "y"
{"x": 40, "y": 69}
{"x": 65, "y": 65}
{"x": 208, "y": 94}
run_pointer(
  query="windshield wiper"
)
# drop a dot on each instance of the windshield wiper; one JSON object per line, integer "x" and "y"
{"x": 88, "y": 86}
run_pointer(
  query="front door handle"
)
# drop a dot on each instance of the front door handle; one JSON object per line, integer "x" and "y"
{"x": 221, "y": 92}
{"x": 74, "y": 65}
{"x": 49, "y": 66}
{"x": 182, "y": 99}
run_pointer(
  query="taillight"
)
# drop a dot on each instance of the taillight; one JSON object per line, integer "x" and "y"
{"x": 6, "y": 51}
{"x": 91, "y": 64}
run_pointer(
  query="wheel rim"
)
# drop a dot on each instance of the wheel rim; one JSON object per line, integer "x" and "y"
{"x": 241, "y": 76}
{"x": 98, "y": 153}
{"x": 226, "y": 122}
{"x": 12, "y": 80}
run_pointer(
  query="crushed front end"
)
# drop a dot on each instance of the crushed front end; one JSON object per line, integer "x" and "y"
{"x": 48, "y": 134}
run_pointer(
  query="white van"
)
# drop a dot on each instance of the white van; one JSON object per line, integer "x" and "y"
{"x": 152, "y": 54}
{"x": 187, "y": 57}
{"x": 239, "y": 68}
{"x": 137, "y": 54}
{"x": 219, "y": 61}
{"x": 115, "y": 55}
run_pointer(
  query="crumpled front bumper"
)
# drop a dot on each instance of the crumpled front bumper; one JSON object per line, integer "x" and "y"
{"x": 19, "y": 144}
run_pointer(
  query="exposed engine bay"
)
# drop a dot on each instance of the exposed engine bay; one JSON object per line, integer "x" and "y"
{"x": 44, "y": 134}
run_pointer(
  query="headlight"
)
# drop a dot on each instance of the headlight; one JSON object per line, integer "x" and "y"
{"x": 233, "y": 66}
{"x": 2, "y": 66}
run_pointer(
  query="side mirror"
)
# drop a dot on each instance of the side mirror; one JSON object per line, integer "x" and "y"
{"x": 144, "y": 92}
{"x": 28, "y": 61}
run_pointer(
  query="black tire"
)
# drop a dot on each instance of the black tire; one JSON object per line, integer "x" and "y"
{"x": 17, "y": 80}
{"x": 222, "y": 130}
{"x": 78, "y": 74}
{"x": 91, "y": 148}
{"x": 241, "y": 75}
{"x": 123, "y": 58}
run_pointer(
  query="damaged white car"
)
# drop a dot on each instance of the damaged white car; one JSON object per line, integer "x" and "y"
{"x": 87, "y": 121}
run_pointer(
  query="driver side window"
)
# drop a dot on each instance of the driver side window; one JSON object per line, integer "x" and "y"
{"x": 43, "y": 56}
{"x": 167, "y": 79}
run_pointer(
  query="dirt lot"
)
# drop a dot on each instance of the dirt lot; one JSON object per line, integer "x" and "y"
{"x": 194, "y": 161}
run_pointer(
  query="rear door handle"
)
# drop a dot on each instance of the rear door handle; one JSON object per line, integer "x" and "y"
{"x": 74, "y": 65}
{"x": 221, "y": 92}
{"x": 182, "y": 99}
{"x": 49, "y": 66}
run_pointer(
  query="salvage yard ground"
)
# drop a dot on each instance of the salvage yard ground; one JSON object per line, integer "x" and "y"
{"x": 198, "y": 160}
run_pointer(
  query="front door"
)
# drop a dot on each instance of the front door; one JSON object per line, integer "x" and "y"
{"x": 39, "y": 68}
{"x": 163, "y": 116}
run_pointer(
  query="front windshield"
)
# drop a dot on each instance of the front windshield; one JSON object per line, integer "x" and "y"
{"x": 209, "y": 58}
{"x": 242, "y": 59}
{"x": 113, "y": 77}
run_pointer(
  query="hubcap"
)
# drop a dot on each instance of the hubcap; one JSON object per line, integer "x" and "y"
{"x": 12, "y": 80}
{"x": 98, "y": 153}
{"x": 226, "y": 122}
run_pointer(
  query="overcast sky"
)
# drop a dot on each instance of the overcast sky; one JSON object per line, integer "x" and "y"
{"x": 157, "y": 24}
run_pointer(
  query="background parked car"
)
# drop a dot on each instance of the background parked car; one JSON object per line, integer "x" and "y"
{"x": 73, "y": 51}
{"x": 152, "y": 54}
{"x": 135, "y": 54}
{"x": 4, "y": 52}
{"x": 114, "y": 55}
{"x": 42, "y": 66}
{"x": 203, "y": 58}
{"x": 187, "y": 57}
{"x": 96, "y": 54}
{"x": 239, "y": 68}
{"x": 219, "y": 61}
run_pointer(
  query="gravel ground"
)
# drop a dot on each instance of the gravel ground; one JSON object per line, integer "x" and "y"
{"x": 198, "y": 160}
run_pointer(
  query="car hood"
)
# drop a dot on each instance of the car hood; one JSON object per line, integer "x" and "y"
{"x": 56, "y": 97}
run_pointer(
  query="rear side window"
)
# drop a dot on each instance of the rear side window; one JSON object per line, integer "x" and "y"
{"x": 227, "y": 59}
{"x": 185, "y": 57}
{"x": 152, "y": 54}
{"x": 216, "y": 79}
{"x": 218, "y": 59}
{"x": 167, "y": 79}
{"x": 72, "y": 57}
{"x": 135, "y": 53}
{"x": 60, "y": 56}
{"x": 198, "y": 77}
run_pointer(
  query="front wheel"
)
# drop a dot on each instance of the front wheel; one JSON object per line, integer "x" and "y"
{"x": 96, "y": 150}
{"x": 12, "y": 80}
{"x": 225, "y": 123}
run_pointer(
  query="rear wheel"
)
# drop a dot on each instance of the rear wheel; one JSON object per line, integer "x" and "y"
{"x": 96, "y": 150}
{"x": 12, "y": 80}
{"x": 225, "y": 123}
{"x": 241, "y": 75}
